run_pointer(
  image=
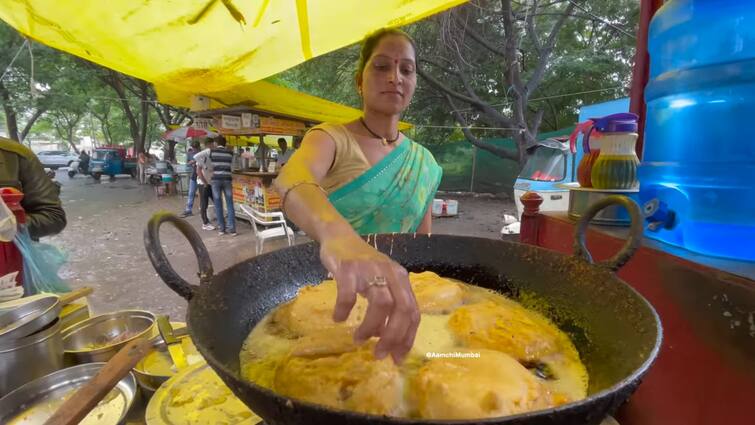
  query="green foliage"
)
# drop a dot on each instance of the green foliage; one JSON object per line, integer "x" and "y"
{"x": 330, "y": 76}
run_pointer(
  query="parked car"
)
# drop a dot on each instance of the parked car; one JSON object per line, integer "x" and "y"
{"x": 56, "y": 159}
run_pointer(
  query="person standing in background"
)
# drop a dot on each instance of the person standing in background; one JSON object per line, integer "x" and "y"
{"x": 193, "y": 150}
{"x": 246, "y": 158}
{"x": 204, "y": 179}
{"x": 21, "y": 169}
{"x": 287, "y": 153}
{"x": 141, "y": 165}
{"x": 222, "y": 159}
{"x": 262, "y": 154}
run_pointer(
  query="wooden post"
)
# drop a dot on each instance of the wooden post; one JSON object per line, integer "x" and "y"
{"x": 528, "y": 232}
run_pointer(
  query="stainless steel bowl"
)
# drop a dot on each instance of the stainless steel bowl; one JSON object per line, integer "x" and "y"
{"x": 36, "y": 401}
{"x": 97, "y": 339}
{"x": 29, "y": 317}
{"x": 150, "y": 382}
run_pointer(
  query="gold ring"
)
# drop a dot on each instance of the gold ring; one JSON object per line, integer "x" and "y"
{"x": 378, "y": 281}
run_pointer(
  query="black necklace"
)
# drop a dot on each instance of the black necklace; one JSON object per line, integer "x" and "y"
{"x": 385, "y": 141}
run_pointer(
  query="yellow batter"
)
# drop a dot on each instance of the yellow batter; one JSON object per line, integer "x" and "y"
{"x": 199, "y": 397}
{"x": 159, "y": 362}
{"x": 477, "y": 354}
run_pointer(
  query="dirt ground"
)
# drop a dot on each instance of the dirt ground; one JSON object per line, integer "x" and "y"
{"x": 104, "y": 241}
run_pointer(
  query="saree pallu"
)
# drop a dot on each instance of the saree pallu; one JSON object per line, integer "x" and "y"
{"x": 392, "y": 196}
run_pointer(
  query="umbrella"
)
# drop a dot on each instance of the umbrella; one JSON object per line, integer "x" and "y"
{"x": 183, "y": 133}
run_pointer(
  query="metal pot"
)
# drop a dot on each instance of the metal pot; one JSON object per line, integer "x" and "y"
{"x": 580, "y": 200}
{"x": 87, "y": 341}
{"x": 617, "y": 332}
{"x": 25, "y": 359}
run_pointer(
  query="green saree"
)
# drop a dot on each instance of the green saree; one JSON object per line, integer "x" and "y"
{"x": 392, "y": 196}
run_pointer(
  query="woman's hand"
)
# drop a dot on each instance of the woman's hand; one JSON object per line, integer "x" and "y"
{"x": 392, "y": 312}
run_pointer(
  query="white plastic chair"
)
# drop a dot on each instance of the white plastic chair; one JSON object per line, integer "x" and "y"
{"x": 268, "y": 220}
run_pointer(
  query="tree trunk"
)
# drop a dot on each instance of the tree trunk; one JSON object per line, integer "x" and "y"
{"x": 71, "y": 130}
{"x": 29, "y": 124}
{"x": 139, "y": 146}
{"x": 171, "y": 150}
{"x": 113, "y": 79}
{"x": 106, "y": 133}
{"x": 11, "y": 122}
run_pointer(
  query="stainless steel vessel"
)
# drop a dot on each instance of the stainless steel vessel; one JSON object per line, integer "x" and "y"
{"x": 581, "y": 198}
{"x": 36, "y": 401}
{"x": 25, "y": 359}
{"x": 29, "y": 317}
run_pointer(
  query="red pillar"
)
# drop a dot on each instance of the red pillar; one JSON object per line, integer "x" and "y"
{"x": 528, "y": 231}
{"x": 641, "y": 68}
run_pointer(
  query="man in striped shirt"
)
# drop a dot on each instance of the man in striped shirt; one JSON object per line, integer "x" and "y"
{"x": 222, "y": 158}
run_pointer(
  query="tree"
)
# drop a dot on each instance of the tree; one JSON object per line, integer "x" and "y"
{"x": 171, "y": 116}
{"x": 500, "y": 69}
{"x": 70, "y": 97}
{"x": 18, "y": 93}
{"x": 134, "y": 97}
{"x": 330, "y": 76}
{"x": 481, "y": 58}
{"x": 66, "y": 123}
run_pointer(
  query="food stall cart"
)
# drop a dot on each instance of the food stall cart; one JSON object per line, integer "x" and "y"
{"x": 244, "y": 126}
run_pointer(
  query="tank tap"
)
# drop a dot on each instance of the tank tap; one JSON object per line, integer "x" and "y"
{"x": 658, "y": 215}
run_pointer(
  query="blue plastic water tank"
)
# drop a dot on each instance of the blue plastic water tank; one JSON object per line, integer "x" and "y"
{"x": 698, "y": 169}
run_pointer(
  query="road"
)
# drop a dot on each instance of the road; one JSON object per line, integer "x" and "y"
{"x": 105, "y": 246}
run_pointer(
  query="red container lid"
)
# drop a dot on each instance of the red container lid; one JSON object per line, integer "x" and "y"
{"x": 12, "y": 198}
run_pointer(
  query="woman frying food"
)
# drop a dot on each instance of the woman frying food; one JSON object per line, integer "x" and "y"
{"x": 366, "y": 177}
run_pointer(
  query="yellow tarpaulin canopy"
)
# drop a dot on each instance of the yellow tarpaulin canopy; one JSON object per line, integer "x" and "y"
{"x": 207, "y": 46}
{"x": 269, "y": 97}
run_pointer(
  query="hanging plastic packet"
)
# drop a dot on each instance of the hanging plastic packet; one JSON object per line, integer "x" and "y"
{"x": 7, "y": 223}
{"x": 41, "y": 265}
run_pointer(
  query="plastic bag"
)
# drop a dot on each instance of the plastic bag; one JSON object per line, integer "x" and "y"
{"x": 41, "y": 264}
{"x": 7, "y": 223}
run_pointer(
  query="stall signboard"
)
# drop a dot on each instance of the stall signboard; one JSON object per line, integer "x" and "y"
{"x": 231, "y": 122}
{"x": 271, "y": 125}
{"x": 250, "y": 121}
{"x": 203, "y": 123}
{"x": 247, "y": 123}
